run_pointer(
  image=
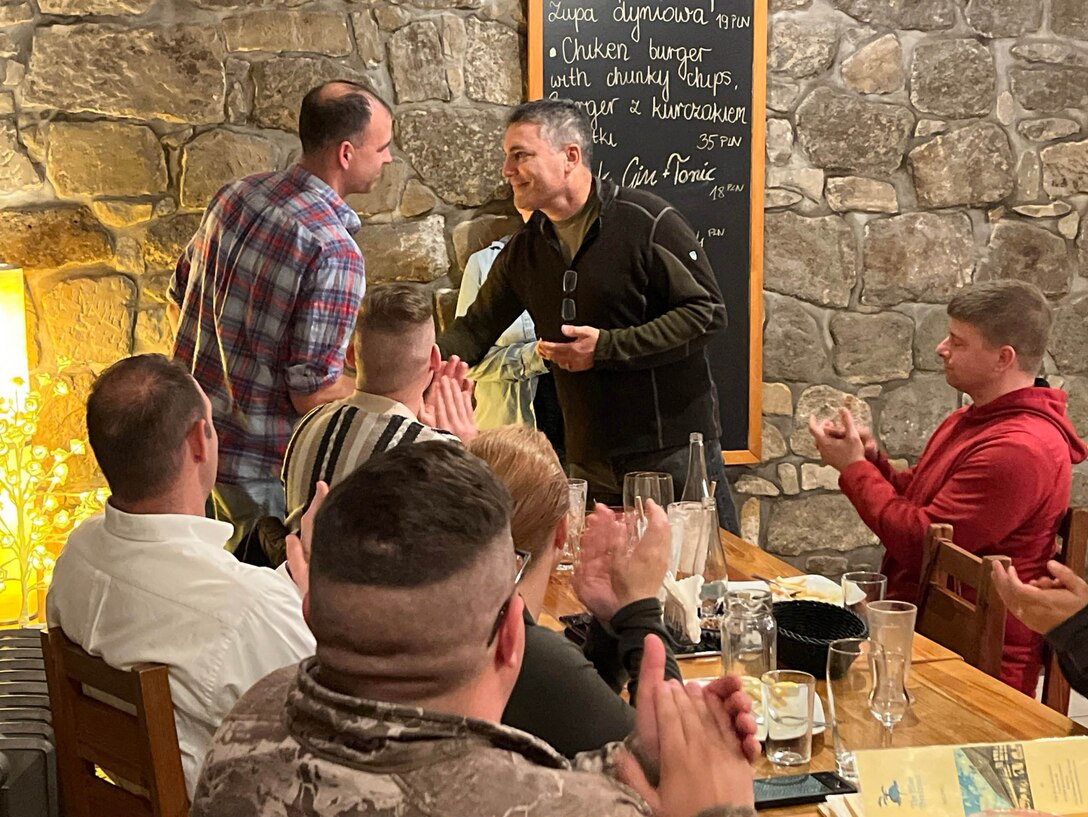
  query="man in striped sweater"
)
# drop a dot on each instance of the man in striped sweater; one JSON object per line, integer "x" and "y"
{"x": 393, "y": 348}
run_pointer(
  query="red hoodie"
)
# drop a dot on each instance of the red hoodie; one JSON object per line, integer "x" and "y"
{"x": 1000, "y": 475}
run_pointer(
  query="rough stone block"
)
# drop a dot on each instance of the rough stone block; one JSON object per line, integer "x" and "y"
{"x": 776, "y": 198}
{"x": 385, "y": 195}
{"x": 924, "y": 15}
{"x": 408, "y": 251}
{"x": 810, "y": 258}
{"x": 1029, "y": 177}
{"x": 802, "y": 49}
{"x": 822, "y": 522}
{"x": 416, "y": 63}
{"x": 824, "y": 402}
{"x": 153, "y": 334}
{"x": 16, "y": 171}
{"x": 1027, "y": 253}
{"x": 782, "y": 94}
{"x": 931, "y": 330}
{"x": 281, "y": 30}
{"x": 842, "y": 131}
{"x": 912, "y": 413}
{"x": 1082, "y": 247}
{"x": 793, "y": 347}
{"x": 953, "y": 78}
{"x": 929, "y": 127}
{"x": 282, "y": 83}
{"x": 857, "y": 193}
{"x": 368, "y": 37}
{"x": 916, "y": 257}
{"x": 1048, "y": 129}
{"x": 90, "y": 319}
{"x": 787, "y": 477}
{"x": 53, "y": 238}
{"x": 779, "y": 141}
{"x": 120, "y": 213}
{"x": 105, "y": 159}
{"x": 166, "y": 238}
{"x": 1067, "y": 228}
{"x": 806, "y": 180}
{"x": 1052, "y": 53}
{"x": 772, "y": 443}
{"x": 13, "y": 12}
{"x": 457, "y": 153}
{"x": 777, "y": 399}
{"x": 872, "y": 348}
{"x": 750, "y": 521}
{"x": 219, "y": 156}
{"x": 492, "y": 64}
{"x": 104, "y": 69}
{"x": 875, "y": 68}
{"x": 1049, "y": 88}
{"x": 1065, "y": 168}
{"x": 1069, "y": 18}
{"x": 475, "y": 234}
{"x": 417, "y": 200}
{"x": 971, "y": 166}
{"x": 1069, "y": 335}
{"x": 1077, "y": 408}
{"x": 83, "y": 8}
{"x": 755, "y": 486}
{"x": 1004, "y": 18}
{"x": 819, "y": 477}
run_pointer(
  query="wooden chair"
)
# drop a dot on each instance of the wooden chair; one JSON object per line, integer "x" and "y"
{"x": 1072, "y": 552}
{"x": 138, "y": 747}
{"x": 974, "y": 629}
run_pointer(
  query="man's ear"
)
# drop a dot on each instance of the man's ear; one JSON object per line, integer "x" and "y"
{"x": 574, "y": 155}
{"x": 560, "y": 537}
{"x": 436, "y": 358}
{"x": 1006, "y": 358}
{"x": 349, "y": 356}
{"x": 343, "y": 154}
{"x": 306, "y": 608}
{"x": 199, "y": 440}
{"x": 510, "y": 641}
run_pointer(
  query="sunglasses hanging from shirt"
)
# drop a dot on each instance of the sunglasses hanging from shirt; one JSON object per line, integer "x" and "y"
{"x": 567, "y": 310}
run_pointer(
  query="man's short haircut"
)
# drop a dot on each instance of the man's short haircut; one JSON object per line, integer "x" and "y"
{"x": 138, "y": 414}
{"x": 409, "y": 517}
{"x": 561, "y": 123}
{"x": 327, "y": 118}
{"x": 524, "y": 459}
{"x": 394, "y": 308}
{"x": 1007, "y": 313}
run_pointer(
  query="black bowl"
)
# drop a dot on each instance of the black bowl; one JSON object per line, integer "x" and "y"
{"x": 806, "y": 628}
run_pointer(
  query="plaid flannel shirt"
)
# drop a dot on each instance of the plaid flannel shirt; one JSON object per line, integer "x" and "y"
{"x": 268, "y": 290}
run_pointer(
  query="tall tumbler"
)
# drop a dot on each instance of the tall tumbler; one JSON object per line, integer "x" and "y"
{"x": 891, "y": 625}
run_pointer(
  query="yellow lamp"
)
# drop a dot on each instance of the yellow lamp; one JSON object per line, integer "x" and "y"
{"x": 13, "y": 386}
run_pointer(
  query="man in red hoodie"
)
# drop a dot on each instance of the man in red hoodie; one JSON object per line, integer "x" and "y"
{"x": 998, "y": 470}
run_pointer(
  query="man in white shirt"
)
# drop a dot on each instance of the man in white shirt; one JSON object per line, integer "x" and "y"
{"x": 393, "y": 347}
{"x": 149, "y": 580}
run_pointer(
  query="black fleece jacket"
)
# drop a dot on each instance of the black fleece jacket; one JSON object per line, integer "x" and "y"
{"x": 645, "y": 282}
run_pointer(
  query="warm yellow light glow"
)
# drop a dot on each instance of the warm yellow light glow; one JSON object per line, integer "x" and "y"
{"x": 13, "y": 359}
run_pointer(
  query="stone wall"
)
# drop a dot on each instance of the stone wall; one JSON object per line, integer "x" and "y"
{"x": 911, "y": 148}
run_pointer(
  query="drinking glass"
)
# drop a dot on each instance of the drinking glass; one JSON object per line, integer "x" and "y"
{"x": 749, "y": 644}
{"x": 849, "y": 690}
{"x": 639, "y": 486}
{"x": 872, "y": 585}
{"x": 576, "y": 523}
{"x": 888, "y": 699}
{"x": 788, "y": 698}
{"x": 689, "y": 523}
{"x": 891, "y": 625}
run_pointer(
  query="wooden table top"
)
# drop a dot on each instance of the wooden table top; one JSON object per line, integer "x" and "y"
{"x": 955, "y": 703}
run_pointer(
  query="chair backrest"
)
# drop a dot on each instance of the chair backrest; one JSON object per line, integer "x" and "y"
{"x": 1073, "y": 553}
{"x": 974, "y": 628}
{"x": 131, "y": 739}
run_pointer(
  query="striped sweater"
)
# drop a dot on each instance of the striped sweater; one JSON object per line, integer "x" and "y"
{"x": 334, "y": 439}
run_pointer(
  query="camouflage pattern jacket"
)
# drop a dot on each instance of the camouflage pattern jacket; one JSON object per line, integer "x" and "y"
{"x": 293, "y": 747}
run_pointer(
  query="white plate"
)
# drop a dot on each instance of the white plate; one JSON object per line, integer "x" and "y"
{"x": 818, "y": 719}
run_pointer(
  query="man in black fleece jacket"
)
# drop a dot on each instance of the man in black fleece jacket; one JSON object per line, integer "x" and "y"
{"x": 623, "y": 299}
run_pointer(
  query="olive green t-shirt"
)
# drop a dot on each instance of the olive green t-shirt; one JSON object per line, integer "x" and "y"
{"x": 572, "y": 231}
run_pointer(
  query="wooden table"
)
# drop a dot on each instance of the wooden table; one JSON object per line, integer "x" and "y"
{"x": 954, "y": 702}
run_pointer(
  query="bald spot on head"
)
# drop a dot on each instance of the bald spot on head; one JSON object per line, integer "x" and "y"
{"x": 406, "y": 644}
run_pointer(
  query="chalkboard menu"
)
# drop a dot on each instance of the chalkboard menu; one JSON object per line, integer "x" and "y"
{"x": 675, "y": 93}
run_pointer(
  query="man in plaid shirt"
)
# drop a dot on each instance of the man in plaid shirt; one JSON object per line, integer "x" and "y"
{"x": 265, "y": 295}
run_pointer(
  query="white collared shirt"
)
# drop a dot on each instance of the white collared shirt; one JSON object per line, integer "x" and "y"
{"x": 159, "y": 587}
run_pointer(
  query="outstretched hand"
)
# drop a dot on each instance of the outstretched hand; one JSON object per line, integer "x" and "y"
{"x": 575, "y": 356}
{"x": 1043, "y": 603}
{"x": 448, "y": 406}
{"x": 299, "y": 547}
{"x": 838, "y": 447}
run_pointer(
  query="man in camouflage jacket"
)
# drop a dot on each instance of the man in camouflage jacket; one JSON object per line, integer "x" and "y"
{"x": 398, "y": 712}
